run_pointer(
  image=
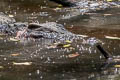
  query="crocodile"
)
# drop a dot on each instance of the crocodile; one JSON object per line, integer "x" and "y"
{"x": 50, "y": 30}
{"x": 34, "y": 30}
{"x": 82, "y": 7}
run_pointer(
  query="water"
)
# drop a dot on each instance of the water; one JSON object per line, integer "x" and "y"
{"x": 34, "y": 61}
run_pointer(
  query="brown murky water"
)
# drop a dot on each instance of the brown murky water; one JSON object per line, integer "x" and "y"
{"x": 28, "y": 60}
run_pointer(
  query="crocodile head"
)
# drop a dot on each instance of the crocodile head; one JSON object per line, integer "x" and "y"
{"x": 45, "y": 30}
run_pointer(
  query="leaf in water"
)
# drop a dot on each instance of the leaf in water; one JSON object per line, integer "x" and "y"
{"x": 117, "y": 66}
{"x": 60, "y": 45}
{"x": 107, "y": 14}
{"x": 1, "y": 67}
{"x": 13, "y": 39}
{"x": 83, "y": 35}
{"x": 59, "y": 5}
{"x": 57, "y": 9}
{"x": 67, "y": 45}
{"x": 110, "y": 37}
{"x": 109, "y": 0}
{"x": 11, "y": 16}
{"x": 73, "y": 55}
{"x": 15, "y": 54}
{"x": 22, "y": 63}
{"x": 51, "y": 46}
{"x": 68, "y": 41}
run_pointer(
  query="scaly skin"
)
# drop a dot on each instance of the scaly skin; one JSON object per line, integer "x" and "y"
{"x": 34, "y": 30}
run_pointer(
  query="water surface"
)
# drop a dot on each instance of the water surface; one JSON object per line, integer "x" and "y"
{"x": 55, "y": 64}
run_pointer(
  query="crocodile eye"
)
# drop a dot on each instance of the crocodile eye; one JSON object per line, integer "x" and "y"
{"x": 33, "y": 26}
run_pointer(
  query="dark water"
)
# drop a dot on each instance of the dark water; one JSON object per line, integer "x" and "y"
{"x": 55, "y": 64}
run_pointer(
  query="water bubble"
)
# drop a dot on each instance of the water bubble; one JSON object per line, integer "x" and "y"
{"x": 5, "y": 40}
{"x": 41, "y": 77}
{"x": 48, "y": 58}
{"x": 78, "y": 46}
{"x": 30, "y": 74}
{"x": 116, "y": 70}
{"x": 38, "y": 71}
{"x": 5, "y": 59}
{"x": 100, "y": 57}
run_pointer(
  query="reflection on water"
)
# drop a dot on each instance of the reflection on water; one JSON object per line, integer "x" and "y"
{"x": 55, "y": 64}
